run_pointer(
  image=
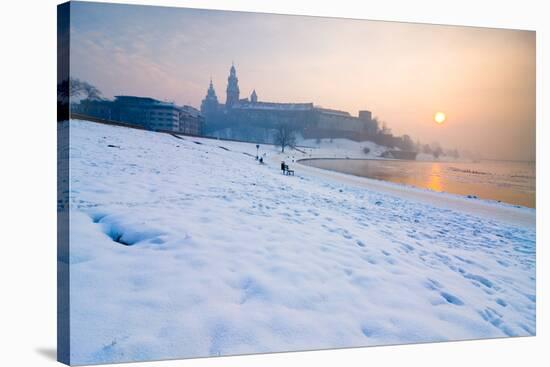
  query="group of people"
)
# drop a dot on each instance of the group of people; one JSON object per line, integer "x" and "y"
{"x": 258, "y": 158}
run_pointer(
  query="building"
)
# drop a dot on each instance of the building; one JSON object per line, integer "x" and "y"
{"x": 232, "y": 88}
{"x": 144, "y": 112}
{"x": 254, "y": 120}
{"x": 190, "y": 120}
{"x": 210, "y": 103}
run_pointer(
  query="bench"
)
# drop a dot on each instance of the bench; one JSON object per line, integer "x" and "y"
{"x": 287, "y": 171}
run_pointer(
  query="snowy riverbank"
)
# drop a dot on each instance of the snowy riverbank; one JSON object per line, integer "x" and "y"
{"x": 188, "y": 247}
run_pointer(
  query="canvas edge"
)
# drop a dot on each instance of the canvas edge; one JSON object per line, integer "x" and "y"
{"x": 63, "y": 114}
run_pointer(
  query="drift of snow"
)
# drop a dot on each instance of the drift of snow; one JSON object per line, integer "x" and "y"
{"x": 187, "y": 247}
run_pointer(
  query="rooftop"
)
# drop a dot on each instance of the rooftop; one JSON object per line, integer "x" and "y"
{"x": 274, "y": 106}
{"x": 143, "y": 101}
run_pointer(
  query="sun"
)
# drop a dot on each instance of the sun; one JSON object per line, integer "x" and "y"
{"x": 440, "y": 117}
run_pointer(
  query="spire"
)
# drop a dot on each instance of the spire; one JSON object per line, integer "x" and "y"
{"x": 211, "y": 93}
{"x": 210, "y": 102}
{"x": 254, "y": 97}
{"x": 232, "y": 87}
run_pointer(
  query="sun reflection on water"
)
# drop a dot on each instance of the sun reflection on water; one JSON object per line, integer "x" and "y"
{"x": 511, "y": 182}
{"x": 434, "y": 178}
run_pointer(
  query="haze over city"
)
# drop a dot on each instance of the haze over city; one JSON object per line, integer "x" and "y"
{"x": 483, "y": 80}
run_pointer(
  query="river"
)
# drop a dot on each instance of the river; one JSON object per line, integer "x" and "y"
{"x": 507, "y": 181}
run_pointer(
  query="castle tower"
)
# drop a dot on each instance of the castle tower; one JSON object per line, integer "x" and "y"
{"x": 254, "y": 97}
{"x": 210, "y": 102}
{"x": 232, "y": 88}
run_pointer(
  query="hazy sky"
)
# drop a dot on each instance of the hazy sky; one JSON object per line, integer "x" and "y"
{"x": 482, "y": 79}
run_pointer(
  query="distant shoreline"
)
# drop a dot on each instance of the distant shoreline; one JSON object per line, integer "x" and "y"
{"x": 416, "y": 160}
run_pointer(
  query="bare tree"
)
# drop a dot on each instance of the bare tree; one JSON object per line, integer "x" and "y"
{"x": 91, "y": 92}
{"x": 376, "y": 124}
{"x": 385, "y": 129}
{"x": 407, "y": 143}
{"x": 63, "y": 100}
{"x": 426, "y": 149}
{"x": 437, "y": 152}
{"x": 75, "y": 87}
{"x": 88, "y": 92}
{"x": 63, "y": 90}
{"x": 285, "y": 136}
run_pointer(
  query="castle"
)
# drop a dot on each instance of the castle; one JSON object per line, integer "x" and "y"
{"x": 254, "y": 120}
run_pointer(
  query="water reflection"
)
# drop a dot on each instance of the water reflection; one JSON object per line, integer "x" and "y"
{"x": 434, "y": 179}
{"x": 511, "y": 182}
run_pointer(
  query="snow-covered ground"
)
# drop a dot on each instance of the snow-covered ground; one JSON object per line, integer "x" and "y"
{"x": 329, "y": 148}
{"x": 345, "y": 148}
{"x": 339, "y": 148}
{"x": 186, "y": 247}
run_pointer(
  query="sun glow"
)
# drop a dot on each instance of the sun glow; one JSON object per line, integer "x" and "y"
{"x": 440, "y": 117}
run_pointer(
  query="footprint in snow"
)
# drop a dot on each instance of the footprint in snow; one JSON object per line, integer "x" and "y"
{"x": 452, "y": 299}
